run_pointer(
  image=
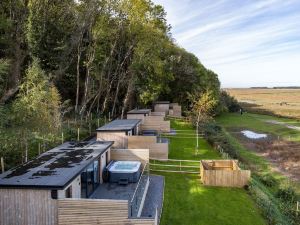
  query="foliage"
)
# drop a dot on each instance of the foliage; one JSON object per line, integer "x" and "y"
{"x": 227, "y": 103}
{"x": 37, "y": 107}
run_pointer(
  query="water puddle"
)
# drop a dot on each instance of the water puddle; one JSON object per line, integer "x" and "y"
{"x": 252, "y": 135}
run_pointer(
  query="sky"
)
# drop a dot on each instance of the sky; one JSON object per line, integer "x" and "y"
{"x": 246, "y": 42}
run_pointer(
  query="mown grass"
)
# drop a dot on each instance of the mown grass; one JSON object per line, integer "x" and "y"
{"x": 188, "y": 202}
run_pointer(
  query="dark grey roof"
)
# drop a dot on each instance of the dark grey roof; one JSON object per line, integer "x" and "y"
{"x": 120, "y": 125}
{"x": 56, "y": 168}
{"x": 162, "y": 102}
{"x": 139, "y": 111}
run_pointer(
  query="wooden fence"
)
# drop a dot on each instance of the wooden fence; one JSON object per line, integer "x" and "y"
{"x": 224, "y": 173}
{"x": 119, "y": 138}
{"x": 27, "y": 207}
{"x": 159, "y": 126}
{"x": 97, "y": 211}
{"x": 141, "y": 155}
{"x": 175, "y": 166}
{"x": 158, "y": 114}
{"x": 149, "y": 119}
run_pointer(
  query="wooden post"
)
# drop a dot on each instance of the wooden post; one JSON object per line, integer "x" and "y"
{"x": 98, "y": 123}
{"x": 2, "y": 164}
{"x": 39, "y": 146}
{"x": 62, "y": 137}
{"x": 108, "y": 116}
{"x": 78, "y": 133}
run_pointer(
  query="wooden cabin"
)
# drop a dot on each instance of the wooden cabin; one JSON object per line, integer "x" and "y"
{"x": 224, "y": 173}
{"x": 162, "y": 106}
{"x": 119, "y": 131}
{"x": 64, "y": 186}
{"x": 171, "y": 109}
{"x": 126, "y": 135}
{"x": 140, "y": 114}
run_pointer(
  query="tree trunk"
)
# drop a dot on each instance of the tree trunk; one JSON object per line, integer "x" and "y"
{"x": 127, "y": 97}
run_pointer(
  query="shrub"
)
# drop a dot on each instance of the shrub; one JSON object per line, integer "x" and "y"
{"x": 268, "y": 180}
{"x": 287, "y": 194}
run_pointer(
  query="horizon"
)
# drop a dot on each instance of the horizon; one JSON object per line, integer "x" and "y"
{"x": 242, "y": 41}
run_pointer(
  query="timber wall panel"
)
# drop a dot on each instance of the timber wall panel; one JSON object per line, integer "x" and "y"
{"x": 159, "y": 126}
{"x": 27, "y": 207}
{"x": 156, "y": 150}
{"x": 162, "y": 108}
{"x": 119, "y": 138}
{"x": 150, "y": 119}
{"x": 136, "y": 116}
{"x": 159, "y": 151}
{"x": 141, "y": 155}
{"x": 158, "y": 114}
{"x": 141, "y": 142}
{"x": 96, "y": 211}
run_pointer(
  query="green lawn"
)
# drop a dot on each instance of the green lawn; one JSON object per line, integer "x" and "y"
{"x": 188, "y": 202}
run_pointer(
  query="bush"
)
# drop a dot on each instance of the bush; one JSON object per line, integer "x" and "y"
{"x": 268, "y": 180}
{"x": 287, "y": 194}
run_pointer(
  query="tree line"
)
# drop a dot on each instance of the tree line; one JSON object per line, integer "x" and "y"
{"x": 82, "y": 57}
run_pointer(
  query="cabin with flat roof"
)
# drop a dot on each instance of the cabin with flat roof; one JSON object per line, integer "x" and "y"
{"x": 81, "y": 183}
{"x": 171, "y": 109}
{"x": 140, "y": 114}
{"x": 118, "y": 131}
{"x": 129, "y": 134}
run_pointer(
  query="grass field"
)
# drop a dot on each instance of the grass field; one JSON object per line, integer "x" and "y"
{"x": 188, "y": 202}
{"x": 282, "y": 102}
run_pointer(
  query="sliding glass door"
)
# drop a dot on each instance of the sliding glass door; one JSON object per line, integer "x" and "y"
{"x": 90, "y": 179}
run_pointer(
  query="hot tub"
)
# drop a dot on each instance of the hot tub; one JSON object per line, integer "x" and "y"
{"x": 124, "y": 171}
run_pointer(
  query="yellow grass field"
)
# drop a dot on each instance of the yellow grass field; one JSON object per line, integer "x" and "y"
{"x": 281, "y": 102}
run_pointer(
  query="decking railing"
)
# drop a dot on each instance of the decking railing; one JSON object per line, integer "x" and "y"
{"x": 137, "y": 201}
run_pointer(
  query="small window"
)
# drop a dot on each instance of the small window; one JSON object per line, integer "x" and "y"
{"x": 54, "y": 194}
{"x": 69, "y": 192}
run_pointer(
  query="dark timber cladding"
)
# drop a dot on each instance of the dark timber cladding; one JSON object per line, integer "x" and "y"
{"x": 120, "y": 125}
{"x": 140, "y": 111}
{"x": 54, "y": 169}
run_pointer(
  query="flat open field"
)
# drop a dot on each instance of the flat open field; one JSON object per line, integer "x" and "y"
{"x": 282, "y": 102}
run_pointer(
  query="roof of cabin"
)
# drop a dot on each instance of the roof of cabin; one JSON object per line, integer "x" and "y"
{"x": 56, "y": 168}
{"x": 120, "y": 125}
{"x": 139, "y": 111}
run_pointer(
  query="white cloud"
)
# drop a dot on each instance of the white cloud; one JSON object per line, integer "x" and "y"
{"x": 242, "y": 40}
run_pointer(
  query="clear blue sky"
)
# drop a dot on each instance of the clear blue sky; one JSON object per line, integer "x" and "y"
{"x": 246, "y": 42}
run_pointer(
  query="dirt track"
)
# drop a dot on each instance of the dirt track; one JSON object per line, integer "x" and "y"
{"x": 284, "y": 155}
